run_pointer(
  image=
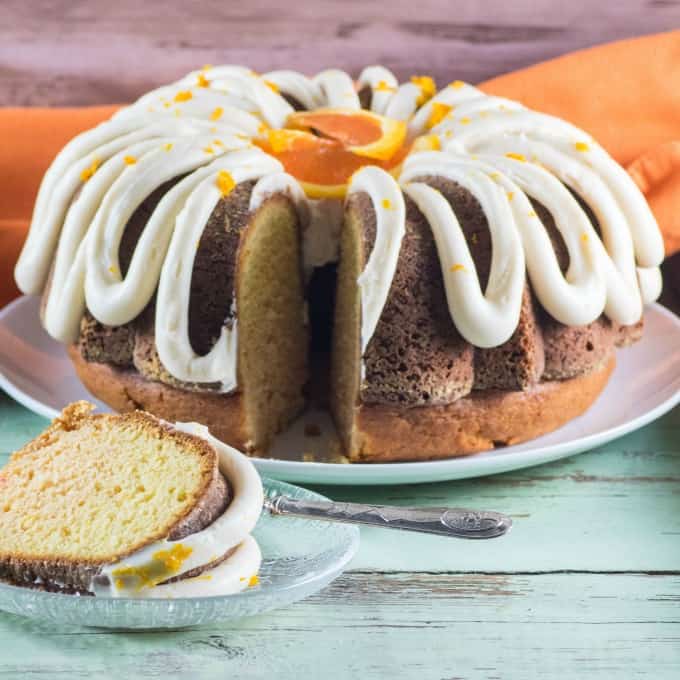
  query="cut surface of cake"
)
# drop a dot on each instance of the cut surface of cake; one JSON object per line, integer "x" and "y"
{"x": 127, "y": 505}
{"x": 451, "y": 270}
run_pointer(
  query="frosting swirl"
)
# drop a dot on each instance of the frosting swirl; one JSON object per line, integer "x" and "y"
{"x": 203, "y": 126}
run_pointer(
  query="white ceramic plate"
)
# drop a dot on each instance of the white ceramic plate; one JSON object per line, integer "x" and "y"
{"x": 299, "y": 557}
{"x": 35, "y": 370}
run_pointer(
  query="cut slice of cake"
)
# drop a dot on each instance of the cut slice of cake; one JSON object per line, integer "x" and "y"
{"x": 127, "y": 505}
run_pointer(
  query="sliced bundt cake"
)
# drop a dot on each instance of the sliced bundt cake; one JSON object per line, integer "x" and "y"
{"x": 118, "y": 504}
{"x": 247, "y": 261}
{"x": 469, "y": 264}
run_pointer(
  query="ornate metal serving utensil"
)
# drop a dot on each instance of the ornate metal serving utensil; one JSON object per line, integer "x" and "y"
{"x": 456, "y": 522}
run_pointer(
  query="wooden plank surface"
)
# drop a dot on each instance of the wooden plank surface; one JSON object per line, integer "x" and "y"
{"x": 375, "y": 626}
{"x": 60, "y": 52}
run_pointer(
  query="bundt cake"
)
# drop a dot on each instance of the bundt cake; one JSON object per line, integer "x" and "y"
{"x": 127, "y": 505}
{"x": 458, "y": 267}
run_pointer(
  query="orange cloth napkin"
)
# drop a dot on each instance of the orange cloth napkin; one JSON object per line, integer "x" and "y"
{"x": 624, "y": 94}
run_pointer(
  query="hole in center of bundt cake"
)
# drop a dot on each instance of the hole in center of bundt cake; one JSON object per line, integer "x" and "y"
{"x": 321, "y": 310}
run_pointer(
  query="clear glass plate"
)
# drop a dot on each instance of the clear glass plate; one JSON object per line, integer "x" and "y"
{"x": 299, "y": 558}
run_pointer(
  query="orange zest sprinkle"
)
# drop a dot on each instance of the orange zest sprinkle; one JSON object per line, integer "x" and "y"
{"x": 494, "y": 175}
{"x": 458, "y": 267}
{"x": 386, "y": 203}
{"x": 217, "y": 113}
{"x": 225, "y": 182}
{"x": 511, "y": 195}
{"x": 88, "y": 172}
{"x": 206, "y": 67}
{"x": 130, "y": 160}
{"x": 218, "y": 142}
{"x": 581, "y": 146}
{"x": 183, "y": 96}
{"x": 173, "y": 558}
{"x": 427, "y": 143}
{"x": 516, "y": 156}
{"x": 457, "y": 84}
{"x": 167, "y": 147}
{"x": 532, "y": 213}
{"x": 280, "y": 140}
{"x": 272, "y": 86}
{"x": 584, "y": 237}
{"x": 438, "y": 113}
{"x": 253, "y": 580}
{"x": 202, "y": 81}
{"x": 166, "y": 563}
{"x": 465, "y": 120}
{"x": 384, "y": 86}
{"x": 208, "y": 149}
{"x": 427, "y": 86}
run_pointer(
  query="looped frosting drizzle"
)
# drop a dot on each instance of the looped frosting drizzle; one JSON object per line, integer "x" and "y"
{"x": 203, "y": 124}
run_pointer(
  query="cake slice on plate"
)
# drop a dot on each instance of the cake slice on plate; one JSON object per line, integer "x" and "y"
{"x": 128, "y": 505}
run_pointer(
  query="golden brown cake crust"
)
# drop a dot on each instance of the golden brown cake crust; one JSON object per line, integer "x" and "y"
{"x": 478, "y": 422}
{"x": 126, "y": 390}
{"x": 475, "y": 423}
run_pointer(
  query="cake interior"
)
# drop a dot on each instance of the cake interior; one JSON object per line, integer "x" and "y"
{"x": 127, "y": 482}
{"x": 346, "y": 350}
{"x": 271, "y": 326}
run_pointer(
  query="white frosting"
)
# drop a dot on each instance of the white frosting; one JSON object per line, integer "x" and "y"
{"x": 168, "y": 130}
{"x": 485, "y": 319}
{"x": 374, "y": 282}
{"x": 382, "y": 83}
{"x": 198, "y": 200}
{"x": 230, "y": 530}
{"x": 338, "y": 89}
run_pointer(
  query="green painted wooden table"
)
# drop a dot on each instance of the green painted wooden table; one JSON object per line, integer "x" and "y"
{"x": 587, "y": 585}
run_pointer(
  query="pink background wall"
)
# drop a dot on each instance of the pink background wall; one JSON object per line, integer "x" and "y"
{"x": 61, "y": 52}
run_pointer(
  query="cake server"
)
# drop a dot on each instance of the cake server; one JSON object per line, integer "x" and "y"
{"x": 455, "y": 522}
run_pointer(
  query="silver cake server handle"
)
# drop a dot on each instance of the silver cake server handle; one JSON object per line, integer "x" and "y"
{"x": 456, "y": 522}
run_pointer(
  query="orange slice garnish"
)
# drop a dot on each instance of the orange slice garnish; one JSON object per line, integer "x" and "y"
{"x": 323, "y": 149}
{"x": 364, "y": 133}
